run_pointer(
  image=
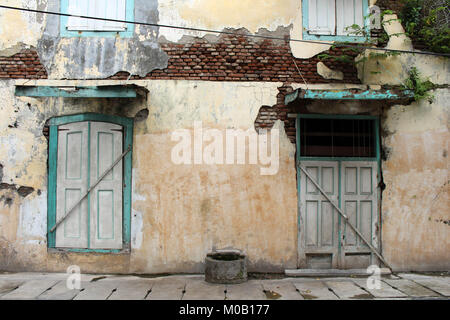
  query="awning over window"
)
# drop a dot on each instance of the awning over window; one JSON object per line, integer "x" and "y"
{"x": 111, "y": 91}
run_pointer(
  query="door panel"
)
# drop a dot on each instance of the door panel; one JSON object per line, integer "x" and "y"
{"x": 320, "y": 224}
{"x": 72, "y": 184}
{"x": 318, "y": 232}
{"x": 106, "y": 198}
{"x": 361, "y": 207}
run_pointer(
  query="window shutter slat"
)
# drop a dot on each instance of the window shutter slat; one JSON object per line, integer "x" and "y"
{"x": 116, "y": 9}
{"x": 80, "y": 8}
{"x": 110, "y": 9}
{"x": 349, "y": 12}
{"x": 322, "y": 17}
{"x": 71, "y": 185}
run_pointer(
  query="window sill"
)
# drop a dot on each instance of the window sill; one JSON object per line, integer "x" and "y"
{"x": 97, "y": 34}
{"x": 353, "y": 39}
{"x": 126, "y": 251}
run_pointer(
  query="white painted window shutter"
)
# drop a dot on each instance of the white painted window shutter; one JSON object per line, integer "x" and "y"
{"x": 97, "y": 222}
{"x": 322, "y": 17}
{"x": 348, "y": 13}
{"x": 110, "y": 9}
{"x": 106, "y": 198}
{"x": 72, "y": 184}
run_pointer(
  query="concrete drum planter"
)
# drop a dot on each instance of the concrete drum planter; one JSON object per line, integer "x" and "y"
{"x": 226, "y": 267}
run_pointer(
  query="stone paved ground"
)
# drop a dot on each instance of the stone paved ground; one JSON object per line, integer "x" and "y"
{"x": 53, "y": 286}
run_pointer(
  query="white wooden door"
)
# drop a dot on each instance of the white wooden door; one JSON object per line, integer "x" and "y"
{"x": 106, "y": 198}
{"x": 360, "y": 204}
{"x": 320, "y": 224}
{"x": 72, "y": 174}
{"x": 85, "y": 151}
{"x": 318, "y": 232}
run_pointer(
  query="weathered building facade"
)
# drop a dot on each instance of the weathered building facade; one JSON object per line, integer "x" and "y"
{"x": 78, "y": 94}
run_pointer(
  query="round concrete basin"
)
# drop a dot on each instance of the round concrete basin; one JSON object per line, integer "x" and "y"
{"x": 226, "y": 268}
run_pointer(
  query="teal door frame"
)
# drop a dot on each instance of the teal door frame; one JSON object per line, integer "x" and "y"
{"x": 54, "y": 123}
{"x": 339, "y": 160}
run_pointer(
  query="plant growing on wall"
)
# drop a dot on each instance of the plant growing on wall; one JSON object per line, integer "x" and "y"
{"x": 420, "y": 87}
{"x": 429, "y": 25}
{"x": 427, "y": 21}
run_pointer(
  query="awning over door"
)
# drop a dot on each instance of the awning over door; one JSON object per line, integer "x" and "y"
{"x": 348, "y": 94}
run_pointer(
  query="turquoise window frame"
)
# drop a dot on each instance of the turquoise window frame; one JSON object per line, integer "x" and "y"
{"x": 127, "y": 124}
{"x": 357, "y": 39}
{"x": 129, "y": 16}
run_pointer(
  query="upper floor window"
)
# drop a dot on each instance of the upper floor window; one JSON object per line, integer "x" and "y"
{"x": 333, "y": 19}
{"x": 109, "y": 9}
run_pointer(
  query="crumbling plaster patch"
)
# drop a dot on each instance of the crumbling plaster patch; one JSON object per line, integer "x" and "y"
{"x": 101, "y": 57}
{"x": 328, "y": 73}
{"x": 20, "y": 29}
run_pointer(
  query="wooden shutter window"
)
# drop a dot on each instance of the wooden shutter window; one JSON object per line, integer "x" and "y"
{"x": 85, "y": 151}
{"x": 322, "y": 17}
{"x": 109, "y": 9}
{"x": 71, "y": 184}
{"x": 348, "y": 13}
{"x": 333, "y": 17}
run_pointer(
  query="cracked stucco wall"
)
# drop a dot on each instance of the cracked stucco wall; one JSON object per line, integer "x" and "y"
{"x": 180, "y": 212}
{"x": 416, "y": 174}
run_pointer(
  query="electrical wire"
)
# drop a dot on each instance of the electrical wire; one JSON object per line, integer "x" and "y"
{"x": 288, "y": 39}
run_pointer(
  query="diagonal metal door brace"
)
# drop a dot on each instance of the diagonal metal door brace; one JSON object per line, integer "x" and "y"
{"x": 90, "y": 189}
{"x": 372, "y": 248}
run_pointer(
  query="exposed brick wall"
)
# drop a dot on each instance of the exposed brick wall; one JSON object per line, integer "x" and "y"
{"x": 23, "y": 65}
{"x": 230, "y": 59}
{"x": 241, "y": 59}
{"x": 269, "y": 114}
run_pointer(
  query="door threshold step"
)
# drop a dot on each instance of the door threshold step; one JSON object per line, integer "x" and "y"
{"x": 332, "y": 272}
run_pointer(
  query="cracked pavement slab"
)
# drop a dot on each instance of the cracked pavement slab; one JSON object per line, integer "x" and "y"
{"x": 53, "y": 286}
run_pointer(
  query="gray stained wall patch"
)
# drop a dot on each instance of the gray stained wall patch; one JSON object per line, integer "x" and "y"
{"x": 101, "y": 57}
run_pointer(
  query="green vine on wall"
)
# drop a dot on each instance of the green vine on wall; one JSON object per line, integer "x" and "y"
{"x": 420, "y": 87}
{"x": 419, "y": 25}
{"x": 426, "y": 24}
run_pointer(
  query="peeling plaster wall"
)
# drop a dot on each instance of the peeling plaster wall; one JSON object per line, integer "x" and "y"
{"x": 180, "y": 212}
{"x": 20, "y": 29}
{"x": 101, "y": 57}
{"x": 252, "y": 15}
{"x": 415, "y": 207}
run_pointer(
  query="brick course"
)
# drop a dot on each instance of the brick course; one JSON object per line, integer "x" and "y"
{"x": 23, "y": 65}
{"x": 231, "y": 59}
